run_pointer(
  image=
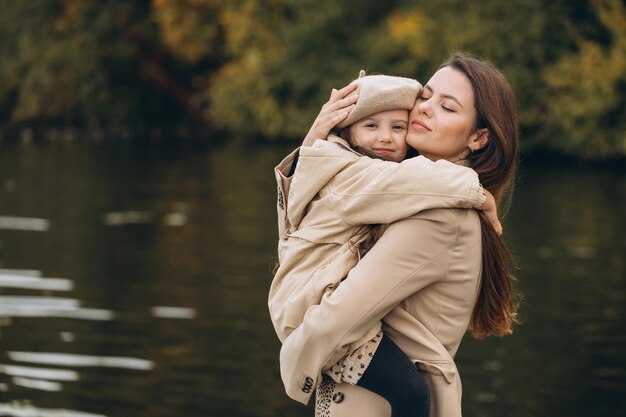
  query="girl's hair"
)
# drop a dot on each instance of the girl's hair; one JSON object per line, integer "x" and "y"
{"x": 496, "y": 163}
{"x": 344, "y": 133}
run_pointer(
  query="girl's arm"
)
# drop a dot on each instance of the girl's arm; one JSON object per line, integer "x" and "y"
{"x": 491, "y": 210}
{"x": 333, "y": 111}
{"x": 372, "y": 191}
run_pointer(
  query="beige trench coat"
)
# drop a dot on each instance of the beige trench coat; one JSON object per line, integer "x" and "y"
{"x": 422, "y": 279}
{"x": 324, "y": 205}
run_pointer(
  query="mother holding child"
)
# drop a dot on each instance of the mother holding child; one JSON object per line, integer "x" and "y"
{"x": 383, "y": 265}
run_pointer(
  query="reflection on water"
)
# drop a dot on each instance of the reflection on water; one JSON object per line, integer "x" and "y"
{"x": 134, "y": 281}
{"x": 128, "y": 217}
{"x": 15, "y": 279}
{"x": 24, "y": 409}
{"x": 24, "y": 223}
{"x": 174, "y": 312}
{"x": 65, "y": 359}
{"x": 39, "y": 373}
{"x": 39, "y": 306}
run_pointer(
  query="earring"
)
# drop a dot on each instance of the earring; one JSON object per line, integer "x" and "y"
{"x": 472, "y": 150}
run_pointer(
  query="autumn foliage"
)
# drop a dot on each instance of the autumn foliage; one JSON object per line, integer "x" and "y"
{"x": 263, "y": 67}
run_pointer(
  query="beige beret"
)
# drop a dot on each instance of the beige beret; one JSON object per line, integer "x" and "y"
{"x": 378, "y": 93}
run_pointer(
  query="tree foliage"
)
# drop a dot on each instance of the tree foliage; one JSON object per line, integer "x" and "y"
{"x": 264, "y": 67}
{"x": 587, "y": 91}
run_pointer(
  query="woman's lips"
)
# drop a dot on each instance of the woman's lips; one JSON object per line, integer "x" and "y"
{"x": 417, "y": 125}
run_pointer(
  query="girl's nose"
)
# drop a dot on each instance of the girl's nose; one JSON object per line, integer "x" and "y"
{"x": 385, "y": 135}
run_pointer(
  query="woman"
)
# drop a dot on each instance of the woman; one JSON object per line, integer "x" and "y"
{"x": 341, "y": 185}
{"x": 432, "y": 275}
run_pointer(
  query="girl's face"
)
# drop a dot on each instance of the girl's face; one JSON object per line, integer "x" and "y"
{"x": 442, "y": 122}
{"x": 382, "y": 135}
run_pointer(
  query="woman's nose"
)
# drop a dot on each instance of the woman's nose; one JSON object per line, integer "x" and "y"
{"x": 423, "y": 107}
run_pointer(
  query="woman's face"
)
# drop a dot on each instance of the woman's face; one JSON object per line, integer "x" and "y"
{"x": 382, "y": 135}
{"x": 442, "y": 122}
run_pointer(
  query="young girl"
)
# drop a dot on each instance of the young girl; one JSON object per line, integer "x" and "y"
{"x": 326, "y": 204}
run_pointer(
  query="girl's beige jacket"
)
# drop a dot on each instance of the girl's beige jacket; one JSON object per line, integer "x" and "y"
{"x": 421, "y": 277}
{"x": 324, "y": 207}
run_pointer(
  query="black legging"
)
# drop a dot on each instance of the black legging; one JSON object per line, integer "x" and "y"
{"x": 394, "y": 377}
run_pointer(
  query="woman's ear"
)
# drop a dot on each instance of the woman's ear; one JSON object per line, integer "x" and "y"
{"x": 479, "y": 139}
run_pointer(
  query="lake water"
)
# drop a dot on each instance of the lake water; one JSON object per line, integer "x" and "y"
{"x": 134, "y": 277}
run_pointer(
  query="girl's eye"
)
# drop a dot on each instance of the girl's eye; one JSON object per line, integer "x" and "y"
{"x": 422, "y": 98}
{"x": 448, "y": 109}
{"x": 399, "y": 127}
{"x": 370, "y": 125}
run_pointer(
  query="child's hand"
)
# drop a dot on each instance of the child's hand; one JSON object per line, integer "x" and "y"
{"x": 491, "y": 211}
{"x": 334, "y": 111}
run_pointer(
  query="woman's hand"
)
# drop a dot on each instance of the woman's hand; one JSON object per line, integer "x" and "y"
{"x": 334, "y": 111}
{"x": 490, "y": 209}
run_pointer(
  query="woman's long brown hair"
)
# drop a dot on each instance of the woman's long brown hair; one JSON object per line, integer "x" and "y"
{"x": 496, "y": 308}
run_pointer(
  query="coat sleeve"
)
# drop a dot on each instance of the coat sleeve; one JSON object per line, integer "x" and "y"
{"x": 412, "y": 254}
{"x": 283, "y": 173}
{"x": 373, "y": 191}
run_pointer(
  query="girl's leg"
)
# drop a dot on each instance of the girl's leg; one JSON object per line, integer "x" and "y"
{"x": 394, "y": 377}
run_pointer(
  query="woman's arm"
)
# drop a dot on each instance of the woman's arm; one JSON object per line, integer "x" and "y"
{"x": 411, "y": 255}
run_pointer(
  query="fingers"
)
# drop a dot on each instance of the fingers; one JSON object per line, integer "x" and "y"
{"x": 324, "y": 123}
{"x": 336, "y": 109}
{"x": 342, "y": 114}
{"x": 497, "y": 226}
{"x": 347, "y": 89}
{"x": 336, "y": 119}
{"x": 336, "y": 95}
{"x": 332, "y": 118}
{"x": 344, "y": 103}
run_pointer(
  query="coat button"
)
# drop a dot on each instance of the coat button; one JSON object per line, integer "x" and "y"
{"x": 338, "y": 397}
{"x": 308, "y": 384}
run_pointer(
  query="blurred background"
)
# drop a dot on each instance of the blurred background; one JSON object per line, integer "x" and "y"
{"x": 137, "y": 199}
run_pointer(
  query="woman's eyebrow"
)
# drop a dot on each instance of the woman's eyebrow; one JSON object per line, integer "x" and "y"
{"x": 429, "y": 88}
